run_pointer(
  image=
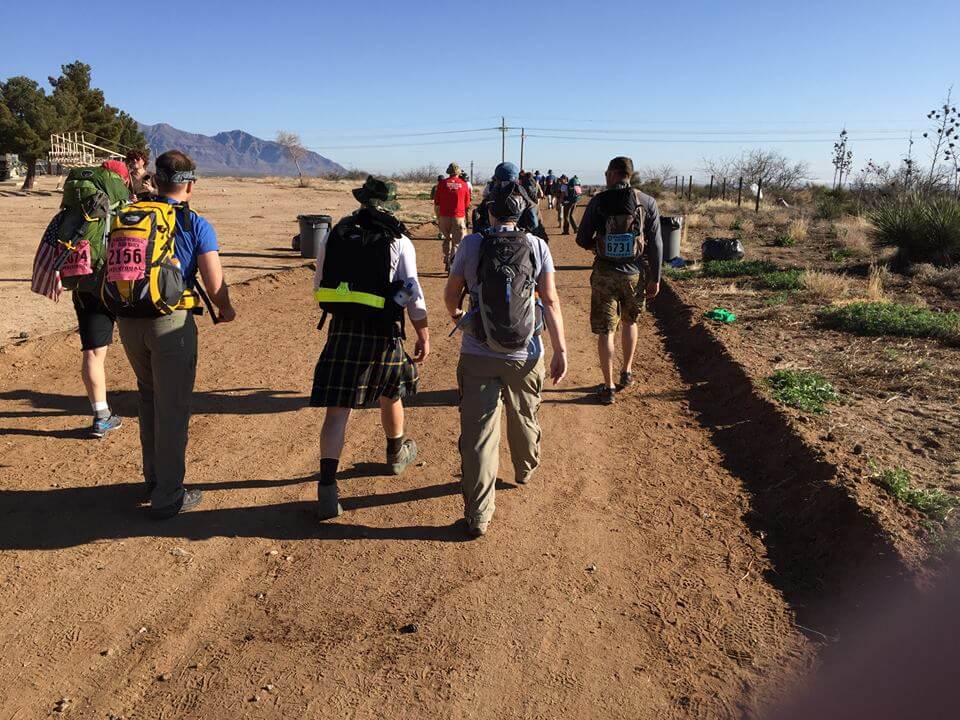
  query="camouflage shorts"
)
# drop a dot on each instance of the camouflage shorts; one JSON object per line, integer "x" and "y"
{"x": 614, "y": 297}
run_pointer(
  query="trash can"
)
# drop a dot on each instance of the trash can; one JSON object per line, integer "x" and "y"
{"x": 671, "y": 230}
{"x": 313, "y": 231}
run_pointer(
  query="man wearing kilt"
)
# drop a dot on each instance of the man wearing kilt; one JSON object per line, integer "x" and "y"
{"x": 366, "y": 277}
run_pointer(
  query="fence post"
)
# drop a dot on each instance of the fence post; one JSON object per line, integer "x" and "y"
{"x": 676, "y": 184}
{"x": 740, "y": 191}
{"x": 690, "y": 188}
{"x": 711, "y": 188}
{"x": 759, "y": 190}
{"x": 723, "y": 193}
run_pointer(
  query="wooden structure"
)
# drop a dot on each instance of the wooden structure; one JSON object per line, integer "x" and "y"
{"x": 76, "y": 149}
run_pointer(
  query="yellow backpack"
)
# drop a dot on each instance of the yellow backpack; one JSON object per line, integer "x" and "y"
{"x": 142, "y": 276}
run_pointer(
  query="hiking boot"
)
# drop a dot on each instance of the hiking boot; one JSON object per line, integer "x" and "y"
{"x": 328, "y": 502}
{"x": 477, "y": 528}
{"x": 523, "y": 479}
{"x": 150, "y": 487}
{"x": 399, "y": 460}
{"x": 101, "y": 426}
{"x": 190, "y": 499}
{"x": 607, "y": 395}
{"x": 626, "y": 380}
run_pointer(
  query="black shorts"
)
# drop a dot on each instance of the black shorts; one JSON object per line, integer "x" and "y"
{"x": 95, "y": 321}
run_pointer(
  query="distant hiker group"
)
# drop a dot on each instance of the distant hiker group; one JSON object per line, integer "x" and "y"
{"x": 130, "y": 247}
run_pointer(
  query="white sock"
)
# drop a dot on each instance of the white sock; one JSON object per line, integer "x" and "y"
{"x": 100, "y": 410}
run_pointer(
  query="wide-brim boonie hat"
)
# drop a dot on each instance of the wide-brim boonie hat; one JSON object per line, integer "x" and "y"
{"x": 375, "y": 191}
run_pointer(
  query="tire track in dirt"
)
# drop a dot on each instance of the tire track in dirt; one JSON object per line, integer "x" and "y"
{"x": 677, "y": 620}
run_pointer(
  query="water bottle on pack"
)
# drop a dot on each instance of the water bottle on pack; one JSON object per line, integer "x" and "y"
{"x": 406, "y": 293}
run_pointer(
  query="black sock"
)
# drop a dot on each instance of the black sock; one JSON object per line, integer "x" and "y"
{"x": 328, "y": 471}
{"x": 394, "y": 444}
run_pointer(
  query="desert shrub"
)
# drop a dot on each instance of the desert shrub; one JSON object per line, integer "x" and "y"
{"x": 833, "y": 204}
{"x": 922, "y": 229}
{"x": 852, "y": 236}
{"x": 803, "y": 389}
{"x": 693, "y": 220}
{"x": 881, "y": 318}
{"x": 654, "y": 188}
{"x": 824, "y": 286}
{"x": 724, "y": 220}
{"x": 737, "y": 268}
{"x": 838, "y": 254}
{"x": 780, "y": 280}
{"x": 424, "y": 174}
{"x": 737, "y": 224}
{"x": 936, "y": 504}
{"x": 784, "y": 240}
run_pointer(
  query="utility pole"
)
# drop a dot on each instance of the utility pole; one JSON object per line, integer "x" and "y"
{"x": 503, "y": 139}
{"x": 523, "y": 137}
{"x": 471, "y": 172}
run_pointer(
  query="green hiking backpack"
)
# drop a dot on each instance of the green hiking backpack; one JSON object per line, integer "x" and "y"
{"x": 91, "y": 196}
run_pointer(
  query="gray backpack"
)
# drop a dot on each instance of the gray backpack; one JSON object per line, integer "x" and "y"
{"x": 505, "y": 301}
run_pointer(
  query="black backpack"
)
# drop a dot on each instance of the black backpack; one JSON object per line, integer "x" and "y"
{"x": 529, "y": 219}
{"x": 619, "y": 236}
{"x": 504, "y": 302}
{"x": 357, "y": 275}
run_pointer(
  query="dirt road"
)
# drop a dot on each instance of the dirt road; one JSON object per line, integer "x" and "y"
{"x": 624, "y": 582}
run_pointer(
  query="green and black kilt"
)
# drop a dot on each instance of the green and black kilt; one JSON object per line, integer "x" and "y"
{"x": 359, "y": 365}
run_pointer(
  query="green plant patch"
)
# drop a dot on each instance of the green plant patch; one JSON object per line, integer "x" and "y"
{"x": 936, "y": 504}
{"x": 780, "y": 298}
{"x": 737, "y": 268}
{"x": 678, "y": 273}
{"x": 737, "y": 224}
{"x": 780, "y": 280}
{"x": 784, "y": 240}
{"x": 838, "y": 255}
{"x": 877, "y": 318}
{"x": 802, "y": 389}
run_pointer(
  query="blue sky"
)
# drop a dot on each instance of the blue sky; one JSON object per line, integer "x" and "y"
{"x": 665, "y": 82}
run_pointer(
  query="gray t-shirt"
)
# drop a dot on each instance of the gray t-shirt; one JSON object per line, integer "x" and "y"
{"x": 465, "y": 263}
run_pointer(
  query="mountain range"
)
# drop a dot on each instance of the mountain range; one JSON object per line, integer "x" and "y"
{"x": 234, "y": 152}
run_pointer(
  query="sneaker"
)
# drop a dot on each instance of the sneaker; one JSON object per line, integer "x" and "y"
{"x": 328, "y": 502}
{"x": 101, "y": 426}
{"x": 626, "y": 380}
{"x": 523, "y": 479}
{"x": 607, "y": 395}
{"x": 399, "y": 460}
{"x": 190, "y": 499}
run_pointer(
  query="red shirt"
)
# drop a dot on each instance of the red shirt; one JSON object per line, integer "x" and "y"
{"x": 453, "y": 196}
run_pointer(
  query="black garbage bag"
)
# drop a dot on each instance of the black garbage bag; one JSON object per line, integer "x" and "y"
{"x": 722, "y": 249}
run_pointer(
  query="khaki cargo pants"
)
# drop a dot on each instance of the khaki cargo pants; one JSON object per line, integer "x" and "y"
{"x": 163, "y": 353}
{"x": 482, "y": 382}
{"x": 453, "y": 229}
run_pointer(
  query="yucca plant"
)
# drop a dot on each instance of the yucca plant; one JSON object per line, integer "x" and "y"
{"x": 923, "y": 229}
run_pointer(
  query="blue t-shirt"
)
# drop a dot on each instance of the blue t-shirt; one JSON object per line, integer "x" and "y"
{"x": 465, "y": 263}
{"x": 190, "y": 244}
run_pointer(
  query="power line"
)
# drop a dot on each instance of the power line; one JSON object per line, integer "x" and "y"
{"x": 711, "y": 132}
{"x": 704, "y": 141}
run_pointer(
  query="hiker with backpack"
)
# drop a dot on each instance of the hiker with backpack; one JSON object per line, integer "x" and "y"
{"x": 71, "y": 256}
{"x": 366, "y": 279}
{"x": 569, "y": 201}
{"x": 506, "y": 179}
{"x": 508, "y": 275}
{"x": 559, "y": 194}
{"x": 621, "y": 226}
{"x": 156, "y": 248}
{"x": 549, "y": 180}
{"x": 452, "y": 199}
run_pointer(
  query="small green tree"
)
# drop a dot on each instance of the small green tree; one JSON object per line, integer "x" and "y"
{"x": 27, "y": 118}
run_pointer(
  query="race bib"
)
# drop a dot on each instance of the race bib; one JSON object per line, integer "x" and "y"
{"x": 78, "y": 262}
{"x": 127, "y": 259}
{"x": 619, "y": 246}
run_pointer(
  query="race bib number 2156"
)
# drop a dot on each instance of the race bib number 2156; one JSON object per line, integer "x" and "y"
{"x": 127, "y": 259}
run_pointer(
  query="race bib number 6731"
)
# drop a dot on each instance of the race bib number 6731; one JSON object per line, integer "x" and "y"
{"x": 619, "y": 245}
{"x": 127, "y": 259}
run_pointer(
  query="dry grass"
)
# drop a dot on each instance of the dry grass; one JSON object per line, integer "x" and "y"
{"x": 944, "y": 278}
{"x": 724, "y": 220}
{"x": 799, "y": 229}
{"x": 825, "y": 287}
{"x": 853, "y": 235}
{"x": 875, "y": 283}
{"x": 693, "y": 220}
{"x": 747, "y": 226}
{"x": 715, "y": 204}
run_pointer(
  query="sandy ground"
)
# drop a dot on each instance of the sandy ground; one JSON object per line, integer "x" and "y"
{"x": 630, "y": 579}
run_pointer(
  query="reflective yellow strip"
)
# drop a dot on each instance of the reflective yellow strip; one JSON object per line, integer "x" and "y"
{"x": 343, "y": 294}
